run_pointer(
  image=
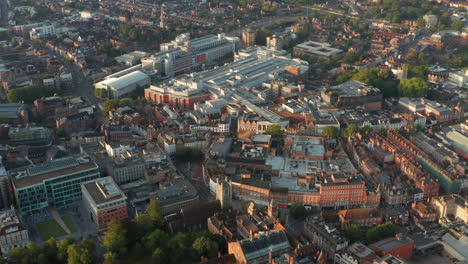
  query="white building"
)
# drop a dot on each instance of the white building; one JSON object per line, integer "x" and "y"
{"x": 118, "y": 87}
{"x": 431, "y": 20}
{"x": 115, "y": 150}
{"x": 211, "y": 106}
{"x": 458, "y": 78}
{"x": 43, "y": 31}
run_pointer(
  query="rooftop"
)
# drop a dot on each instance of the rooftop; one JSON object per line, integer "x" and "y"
{"x": 35, "y": 174}
{"x": 104, "y": 190}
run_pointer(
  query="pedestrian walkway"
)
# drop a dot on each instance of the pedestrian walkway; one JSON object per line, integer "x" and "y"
{"x": 55, "y": 214}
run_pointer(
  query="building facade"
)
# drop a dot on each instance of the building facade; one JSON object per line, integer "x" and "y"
{"x": 55, "y": 182}
{"x": 104, "y": 201}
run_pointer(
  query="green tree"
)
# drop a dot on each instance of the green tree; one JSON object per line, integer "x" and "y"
{"x": 205, "y": 247}
{"x": 188, "y": 154}
{"x": 100, "y": 92}
{"x": 414, "y": 87}
{"x": 159, "y": 256}
{"x": 351, "y": 130}
{"x": 154, "y": 211}
{"x": 346, "y": 76}
{"x": 114, "y": 238}
{"x": 353, "y": 233}
{"x": 297, "y": 211}
{"x": 275, "y": 131}
{"x": 458, "y": 25}
{"x": 330, "y": 132}
{"x": 156, "y": 239}
{"x": 111, "y": 104}
{"x": 382, "y": 231}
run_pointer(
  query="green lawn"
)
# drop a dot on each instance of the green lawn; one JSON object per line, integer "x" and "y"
{"x": 69, "y": 222}
{"x": 50, "y": 228}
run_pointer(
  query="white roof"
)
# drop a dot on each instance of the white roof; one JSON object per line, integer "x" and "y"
{"x": 125, "y": 80}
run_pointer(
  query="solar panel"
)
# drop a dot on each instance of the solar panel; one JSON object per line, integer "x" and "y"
{"x": 53, "y": 165}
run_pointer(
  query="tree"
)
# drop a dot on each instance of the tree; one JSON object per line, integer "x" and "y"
{"x": 458, "y": 25}
{"x": 275, "y": 131}
{"x": 100, "y": 92}
{"x": 382, "y": 231}
{"x": 111, "y": 104}
{"x": 154, "y": 211}
{"x": 205, "y": 247}
{"x": 414, "y": 87}
{"x": 30, "y": 93}
{"x": 353, "y": 233}
{"x": 114, "y": 238}
{"x": 351, "y": 130}
{"x": 159, "y": 256}
{"x": 156, "y": 239}
{"x": 330, "y": 132}
{"x": 188, "y": 154}
{"x": 297, "y": 211}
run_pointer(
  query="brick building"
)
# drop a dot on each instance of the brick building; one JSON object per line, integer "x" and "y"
{"x": 397, "y": 246}
{"x": 104, "y": 201}
{"x": 363, "y": 217}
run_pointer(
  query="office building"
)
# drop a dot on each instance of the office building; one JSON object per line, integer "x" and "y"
{"x": 55, "y": 182}
{"x": 353, "y": 94}
{"x": 248, "y": 37}
{"x": 318, "y": 50}
{"x": 29, "y": 135}
{"x": 104, "y": 201}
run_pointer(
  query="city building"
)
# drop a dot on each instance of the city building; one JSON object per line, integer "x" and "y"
{"x": 362, "y": 217}
{"x": 431, "y": 20}
{"x": 104, "y": 201}
{"x": 356, "y": 253}
{"x": 325, "y": 237}
{"x": 55, "y": 182}
{"x": 260, "y": 249}
{"x": 396, "y": 246}
{"x": 248, "y": 37}
{"x": 175, "y": 196}
{"x": 319, "y": 50}
{"x": 16, "y": 114}
{"x": 252, "y": 67}
{"x": 76, "y": 123}
{"x": 121, "y": 86}
{"x": 451, "y": 206}
{"x": 29, "y": 135}
{"x": 126, "y": 169}
{"x": 13, "y": 233}
{"x": 46, "y": 106}
{"x": 353, "y": 94}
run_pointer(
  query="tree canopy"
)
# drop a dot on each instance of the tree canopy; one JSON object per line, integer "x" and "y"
{"x": 275, "y": 131}
{"x": 30, "y": 93}
{"x": 379, "y": 232}
{"x": 188, "y": 154}
{"x": 413, "y": 87}
{"x": 330, "y": 132}
{"x": 384, "y": 79}
{"x": 297, "y": 211}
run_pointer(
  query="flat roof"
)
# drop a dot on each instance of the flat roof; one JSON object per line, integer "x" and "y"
{"x": 121, "y": 82}
{"x": 104, "y": 190}
{"x": 31, "y": 175}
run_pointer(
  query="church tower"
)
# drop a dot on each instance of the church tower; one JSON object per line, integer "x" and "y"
{"x": 224, "y": 192}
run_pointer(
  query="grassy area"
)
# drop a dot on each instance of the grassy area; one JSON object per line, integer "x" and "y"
{"x": 50, "y": 228}
{"x": 69, "y": 222}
